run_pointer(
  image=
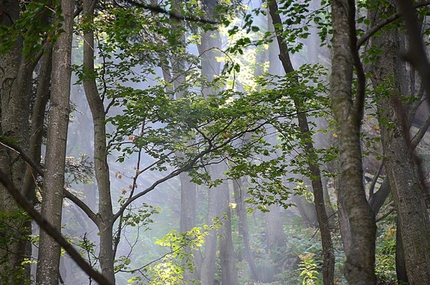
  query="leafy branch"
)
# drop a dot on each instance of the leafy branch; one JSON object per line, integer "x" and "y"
{"x": 172, "y": 14}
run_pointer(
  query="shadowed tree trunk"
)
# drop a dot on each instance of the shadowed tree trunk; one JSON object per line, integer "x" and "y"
{"x": 402, "y": 275}
{"x": 15, "y": 93}
{"x": 52, "y": 201}
{"x": 402, "y": 172}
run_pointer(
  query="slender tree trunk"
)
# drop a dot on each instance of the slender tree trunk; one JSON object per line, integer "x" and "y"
{"x": 402, "y": 172}
{"x": 239, "y": 198}
{"x": 318, "y": 191}
{"x": 188, "y": 214}
{"x": 210, "y": 68}
{"x": 207, "y": 269}
{"x": 226, "y": 249}
{"x": 105, "y": 214}
{"x": 38, "y": 117}
{"x": 360, "y": 257}
{"x": 49, "y": 250}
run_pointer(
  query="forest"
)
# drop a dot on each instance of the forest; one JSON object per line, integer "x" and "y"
{"x": 214, "y": 142}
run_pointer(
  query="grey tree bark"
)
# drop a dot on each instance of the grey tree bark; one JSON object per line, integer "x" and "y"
{"x": 188, "y": 216}
{"x": 276, "y": 238}
{"x": 360, "y": 255}
{"x": 105, "y": 215}
{"x": 210, "y": 68}
{"x": 49, "y": 250}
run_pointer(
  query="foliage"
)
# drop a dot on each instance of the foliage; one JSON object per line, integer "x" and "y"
{"x": 230, "y": 126}
{"x": 34, "y": 26}
{"x": 170, "y": 267}
{"x": 307, "y": 266}
{"x": 88, "y": 250}
{"x": 385, "y": 266}
{"x": 297, "y": 18}
{"x": 13, "y": 230}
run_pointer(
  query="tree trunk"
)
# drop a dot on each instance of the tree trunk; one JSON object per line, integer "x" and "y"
{"x": 306, "y": 209}
{"x": 49, "y": 250}
{"x": 38, "y": 118}
{"x": 15, "y": 93}
{"x": 207, "y": 269}
{"x": 402, "y": 275}
{"x": 402, "y": 172}
{"x": 360, "y": 257}
{"x": 175, "y": 75}
{"x": 210, "y": 68}
{"x": 312, "y": 160}
{"x": 275, "y": 239}
{"x": 188, "y": 214}
{"x": 226, "y": 256}
{"x": 239, "y": 198}
{"x": 105, "y": 214}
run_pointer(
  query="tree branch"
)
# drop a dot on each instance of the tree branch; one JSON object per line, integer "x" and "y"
{"x": 191, "y": 163}
{"x": 174, "y": 15}
{"x": 36, "y": 167}
{"x": 51, "y": 231}
{"x": 383, "y": 23}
